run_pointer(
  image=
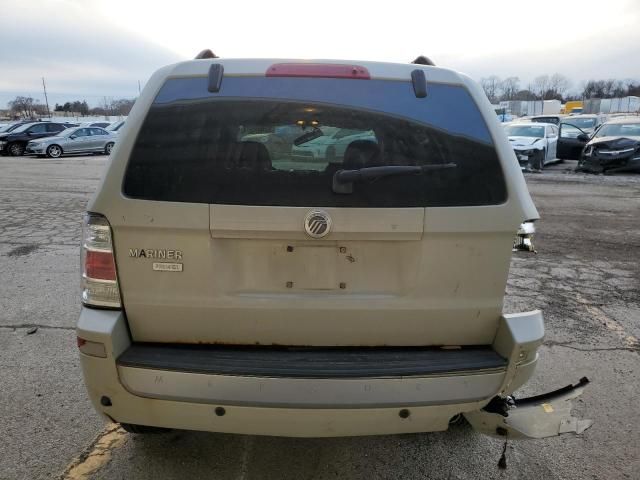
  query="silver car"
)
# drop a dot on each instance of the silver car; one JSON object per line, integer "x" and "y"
{"x": 74, "y": 140}
{"x": 217, "y": 296}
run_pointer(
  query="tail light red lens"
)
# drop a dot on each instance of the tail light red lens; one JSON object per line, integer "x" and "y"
{"x": 100, "y": 266}
{"x": 99, "y": 277}
{"x": 320, "y": 70}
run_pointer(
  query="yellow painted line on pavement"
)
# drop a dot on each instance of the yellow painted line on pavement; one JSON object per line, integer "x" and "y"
{"x": 96, "y": 455}
{"x": 629, "y": 340}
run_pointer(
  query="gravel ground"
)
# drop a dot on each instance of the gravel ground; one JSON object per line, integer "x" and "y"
{"x": 585, "y": 278}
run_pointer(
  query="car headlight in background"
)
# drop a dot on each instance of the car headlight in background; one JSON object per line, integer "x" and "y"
{"x": 588, "y": 151}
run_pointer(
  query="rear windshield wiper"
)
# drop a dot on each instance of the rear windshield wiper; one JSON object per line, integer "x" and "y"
{"x": 343, "y": 180}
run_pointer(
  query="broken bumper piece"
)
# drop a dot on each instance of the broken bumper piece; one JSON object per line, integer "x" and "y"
{"x": 524, "y": 239}
{"x": 542, "y": 416}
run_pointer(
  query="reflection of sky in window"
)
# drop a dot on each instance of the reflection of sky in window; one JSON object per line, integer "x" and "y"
{"x": 446, "y": 107}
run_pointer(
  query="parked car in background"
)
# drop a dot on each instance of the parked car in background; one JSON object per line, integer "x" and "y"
{"x": 13, "y": 125}
{"x": 8, "y": 126}
{"x": 615, "y": 147}
{"x": 571, "y": 140}
{"x": 535, "y": 144}
{"x": 555, "y": 119}
{"x": 74, "y": 140}
{"x": 115, "y": 126}
{"x": 15, "y": 141}
{"x": 95, "y": 124}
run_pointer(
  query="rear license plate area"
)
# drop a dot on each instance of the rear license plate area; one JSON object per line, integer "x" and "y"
{"x": 312, "y": 267}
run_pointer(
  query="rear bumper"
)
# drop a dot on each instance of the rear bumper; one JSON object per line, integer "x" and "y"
{"x": 294, "y": 406}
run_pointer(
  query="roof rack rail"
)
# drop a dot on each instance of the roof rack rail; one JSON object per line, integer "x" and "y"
{"x": 422, "y": 60}
{"x": 206, "y": 53}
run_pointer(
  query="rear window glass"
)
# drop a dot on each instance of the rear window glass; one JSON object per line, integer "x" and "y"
{"x": 280, "y": 142}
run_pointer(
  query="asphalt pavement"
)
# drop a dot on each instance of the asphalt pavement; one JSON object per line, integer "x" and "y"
{"x": 585, "y": 277}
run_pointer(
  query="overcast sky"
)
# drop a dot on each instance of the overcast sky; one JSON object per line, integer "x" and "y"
{"x": 87, "y": 49}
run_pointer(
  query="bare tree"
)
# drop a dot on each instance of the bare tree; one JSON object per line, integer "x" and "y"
{"x": 531, "y": 91}
{"x": 510, "y": 87}
{"x": 632, "y": 86}
{"x": 106, "y": 105}
{"x": 491, "y": 87}
{"x": 558, "y": 85}
{"x": 121, "y": 106}
{"x": 610, "y": 88}
{"x": 524, "y": 94}
{"x": 26, "y": 107}
{"x": 619, "y": 89}
{"x": 541, "y": 85}
{"x": 609, "y": 85}
{"x": 593, "y": 89}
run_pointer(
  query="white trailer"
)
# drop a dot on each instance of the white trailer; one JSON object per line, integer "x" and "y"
{"x": 550, "y": 107}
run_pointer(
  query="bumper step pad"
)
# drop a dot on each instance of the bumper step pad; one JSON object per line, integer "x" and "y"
{"x": 357, "y": 362}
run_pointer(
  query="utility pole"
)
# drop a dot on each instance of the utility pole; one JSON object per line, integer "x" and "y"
{"x": 138, "y": 87}
{"x": 44, "y": 87}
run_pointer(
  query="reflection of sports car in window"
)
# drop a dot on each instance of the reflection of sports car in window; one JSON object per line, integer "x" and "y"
{"x": 279, "y": 141}
{"x": 275, "y": 144}
{"x": 331, "y": 145}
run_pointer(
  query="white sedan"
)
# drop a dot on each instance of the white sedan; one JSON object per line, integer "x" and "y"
{"x": 535, "y": 144}
{"x": 331, "y": 146}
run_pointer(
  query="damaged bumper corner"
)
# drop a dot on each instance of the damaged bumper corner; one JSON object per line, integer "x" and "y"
{"x": 541, "y": 416}
{"x": 628, "y": 161}
{"x": 524, "y": 238}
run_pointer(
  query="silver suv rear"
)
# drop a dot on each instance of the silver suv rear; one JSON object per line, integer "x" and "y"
{"x": 305, "y": 249}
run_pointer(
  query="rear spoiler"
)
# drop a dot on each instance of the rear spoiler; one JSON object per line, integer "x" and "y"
{"x": 418, "y": 78}
{"x": 207, "y": 53}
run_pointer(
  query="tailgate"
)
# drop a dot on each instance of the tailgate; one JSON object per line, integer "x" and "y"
{"x": 231, "y": 236}
{"x": 252, "y": 276}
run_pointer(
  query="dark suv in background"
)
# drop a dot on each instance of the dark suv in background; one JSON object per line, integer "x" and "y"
{"x": 14, "y": 142}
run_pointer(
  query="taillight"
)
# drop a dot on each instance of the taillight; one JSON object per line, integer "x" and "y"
{"x": 322, "y": 70}
{"x": 94, "y": 349}
{"x": 99, "y": 280}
